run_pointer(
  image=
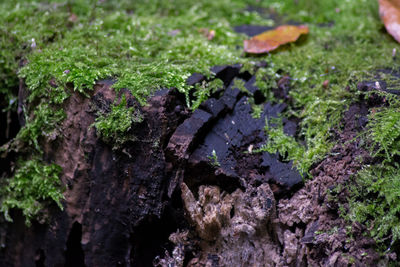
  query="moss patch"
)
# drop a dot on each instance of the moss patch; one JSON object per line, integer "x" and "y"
{"x": 113, "y": 126}
{"x": 375, "y": 192}
{"x": 153, "y": 44}
{"x": 144, "y": 45}
{"x": 346, "y": 44}
{"x": 375, "y": 203}
{"x": 33, "y": 184}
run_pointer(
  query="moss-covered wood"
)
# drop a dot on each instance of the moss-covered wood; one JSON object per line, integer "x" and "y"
{"x": 61, "y": 48}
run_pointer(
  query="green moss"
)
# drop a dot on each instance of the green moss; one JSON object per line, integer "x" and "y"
{"x": 33, "y": 184}
{"x": 204, "y": 90}
{"x": 352, "y": 48}
{"x": 144, "y": 52}
{"x": 266, "y": 81}
{"x": 213, "y": 158}
{"x": 113, "y": 126}
{"x": 346, "y": 44}
{"x": 375, "y": 202}
{"x": 375, "y": 194}
{"x": 146, "y": 45}
{"x": 285, "y": 145}
{"x": 24, "y": 25}
{"x": 45, "y": 122}
{"x": 384, "y": 130}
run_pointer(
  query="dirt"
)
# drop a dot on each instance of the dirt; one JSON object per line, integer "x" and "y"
{"x": 187, "y": 190}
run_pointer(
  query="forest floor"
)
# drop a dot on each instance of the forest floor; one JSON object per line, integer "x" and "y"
{"x": 288, "y": 158}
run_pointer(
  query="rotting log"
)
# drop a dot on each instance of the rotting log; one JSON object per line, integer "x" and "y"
{"x": 121, "y": 205}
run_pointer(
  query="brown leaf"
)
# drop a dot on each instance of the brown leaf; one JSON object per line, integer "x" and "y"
{"x": 389, "y": 10}
{"x": 271, "y": 40}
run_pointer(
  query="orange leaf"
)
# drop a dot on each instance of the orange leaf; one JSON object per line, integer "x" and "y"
{"x": 389, "y": 10}
{"x": 271, "y": 40}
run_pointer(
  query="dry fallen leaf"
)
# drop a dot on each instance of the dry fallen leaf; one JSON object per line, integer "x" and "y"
{"x": 389, "y": 10}
{"x": 271, "y": 40}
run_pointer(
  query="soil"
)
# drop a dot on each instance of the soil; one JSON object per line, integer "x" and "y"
{"x": 186, "y": 190}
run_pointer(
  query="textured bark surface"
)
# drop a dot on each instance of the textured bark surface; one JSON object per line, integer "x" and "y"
{"x": 110, "y": 194}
